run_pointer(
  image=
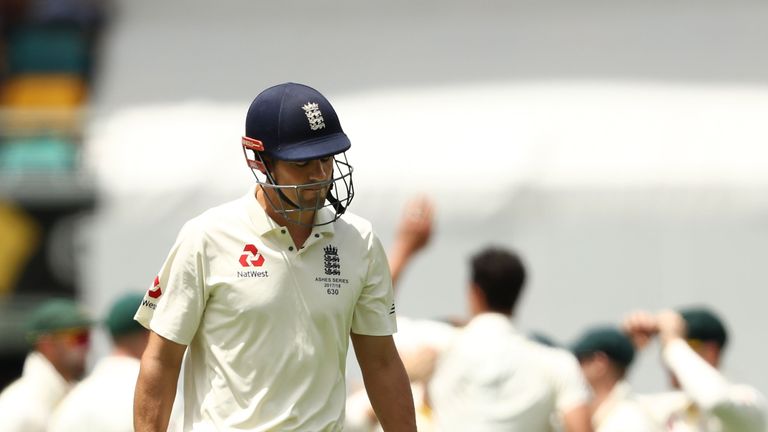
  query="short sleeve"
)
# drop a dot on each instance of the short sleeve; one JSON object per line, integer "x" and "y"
{"x": 174, "y": 304}
{"x": 374, "y": 313}
{"x": 571, "y": 386}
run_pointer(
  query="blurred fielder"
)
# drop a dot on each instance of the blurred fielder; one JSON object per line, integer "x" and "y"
{"x": 103, "y": 401}
{"x": 59, "y": 332}
{"x": 494, "y": 378}
{"x": 692, "y": 343}
{"x": 605, "y": 355}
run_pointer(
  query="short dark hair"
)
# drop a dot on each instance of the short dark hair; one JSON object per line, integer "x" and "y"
{"x": 500, "y": 275}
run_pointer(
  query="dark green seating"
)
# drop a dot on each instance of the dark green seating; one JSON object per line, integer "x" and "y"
{"x": 47, "y": 49}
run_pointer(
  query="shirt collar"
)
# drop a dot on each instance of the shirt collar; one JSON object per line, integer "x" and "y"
{"x": 494, "y": 320}
{"x": 263, "y": 224}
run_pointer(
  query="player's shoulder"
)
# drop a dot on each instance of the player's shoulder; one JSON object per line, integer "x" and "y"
{"x": 19, "y": 397}
{"x": 11, "y": 391}
{"x": 553, "y": 353}
{"x": 558, "y": 361}
{"x": 355, "y": 224}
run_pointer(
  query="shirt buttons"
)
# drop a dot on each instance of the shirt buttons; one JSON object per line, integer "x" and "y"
{"x": 290, "y": 248}
{"x": 282, "y": 231}
{"x": 317, "y": 235}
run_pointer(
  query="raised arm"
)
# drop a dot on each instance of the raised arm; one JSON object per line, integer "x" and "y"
{"x": 413, "y": 234}
{"x": 156, "y": 385}
{"x": 738, "y": 407}
{"x": 386, "y": 382}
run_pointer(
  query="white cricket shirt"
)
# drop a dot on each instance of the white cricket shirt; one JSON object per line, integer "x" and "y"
{"x": 493, "y": 378}
{"x": 103, "y": 401}
{"x": 620, "y": 412}
{"x": 267, "y": 324}
{"x": 27, "y": 403}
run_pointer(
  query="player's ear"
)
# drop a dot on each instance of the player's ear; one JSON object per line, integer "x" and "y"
{"x": 45, "y": 344}
{"x": 710, "y": 351}
{"x": 477, "y": 300}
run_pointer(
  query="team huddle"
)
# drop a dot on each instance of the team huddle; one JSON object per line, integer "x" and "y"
{"x": 483, "y": 373}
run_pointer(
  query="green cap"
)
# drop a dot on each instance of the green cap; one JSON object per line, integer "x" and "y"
{"x": 704, "y": 325}
{"x": 608, "y": 340}
{"x": 56, "y": 315}
{"x": 120, "y": 320}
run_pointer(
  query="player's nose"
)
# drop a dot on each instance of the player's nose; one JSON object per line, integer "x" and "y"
{"x": 318, "y": 170}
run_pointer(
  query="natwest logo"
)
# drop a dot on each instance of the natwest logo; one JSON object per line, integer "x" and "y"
{"x": 155, "y": 291}
{"x": 251, "y": 257}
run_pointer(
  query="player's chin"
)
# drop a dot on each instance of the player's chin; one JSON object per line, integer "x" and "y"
{"x": 311, "y": 200}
